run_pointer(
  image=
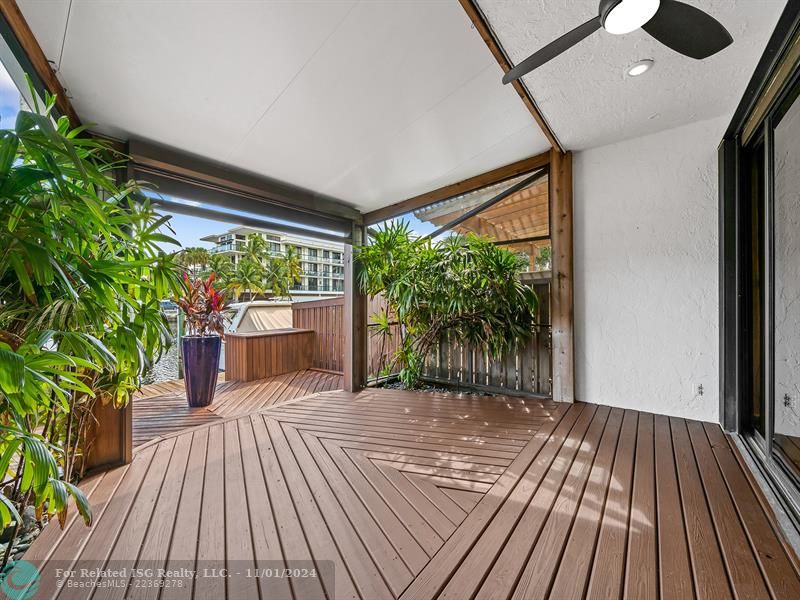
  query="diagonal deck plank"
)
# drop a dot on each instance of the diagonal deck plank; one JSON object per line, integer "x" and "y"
{"x": 389, "y": 494}
{"x": 160, "y": 409}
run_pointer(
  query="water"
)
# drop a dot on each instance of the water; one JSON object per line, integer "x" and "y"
{"x": 166, "y": 368}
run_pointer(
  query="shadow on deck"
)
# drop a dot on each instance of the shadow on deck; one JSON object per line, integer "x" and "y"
{"x": 160, "y": 409}
{"x": 389, "y": 494}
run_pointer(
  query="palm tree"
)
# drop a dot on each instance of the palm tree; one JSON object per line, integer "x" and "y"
{"x": 248, "y": 277}
{"x": 194, "y": 259}
{"x": 256, "y": 248}
{"x": 275, "y": 276}
{"x": 222, "y": 267}
{"x": 293, "y": 268}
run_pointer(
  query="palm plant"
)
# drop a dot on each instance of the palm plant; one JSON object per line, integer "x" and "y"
{"x": 465, "y": 285}
{"x": 194, "y": 259}
{"x": 293, "y": 268}
{"x": 222, "y": 267}
{"x": 275, "y": 278}
{"x": 256, "y": 248}
{"x": 81, "y": 277}
{"x": 247, "y": 277}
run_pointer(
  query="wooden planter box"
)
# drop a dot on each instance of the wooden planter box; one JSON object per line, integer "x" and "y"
{"x": 262, "y": 354}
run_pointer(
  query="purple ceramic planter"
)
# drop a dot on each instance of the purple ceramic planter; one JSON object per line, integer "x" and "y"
{"x": 200, "y": 368}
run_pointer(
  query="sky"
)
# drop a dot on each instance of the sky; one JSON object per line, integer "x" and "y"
{"x": 187, "y": 229}
{"x": 9, "y": 100}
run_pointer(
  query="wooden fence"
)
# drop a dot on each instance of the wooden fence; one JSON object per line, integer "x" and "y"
{"x": 526, "y": 371}
{"x": 380, "y": 349}
{"x": 326, "y": 318}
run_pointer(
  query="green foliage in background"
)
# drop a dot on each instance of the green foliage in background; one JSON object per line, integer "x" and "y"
{"x": 81, "y": 276}
{"x": 462, "y": 284}
{"x": 259, "y": 271}
{"x": 194, "y": 260}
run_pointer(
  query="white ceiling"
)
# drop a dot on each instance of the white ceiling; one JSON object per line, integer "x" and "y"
{"x": 371, "y": 102}
{"x": 584, "y": 93}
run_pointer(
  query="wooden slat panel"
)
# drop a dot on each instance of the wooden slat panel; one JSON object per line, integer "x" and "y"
{"x": 710, "y": 578}
{"x": 607, "y": 574}
{"x": 325, "y": 318}
{"x": 673, "y": 552}
{"x": 250, "y": 356}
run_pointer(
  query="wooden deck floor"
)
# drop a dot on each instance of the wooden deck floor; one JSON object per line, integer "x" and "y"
{"x": 394, "y": 494}
{"x": 160, "y": 409}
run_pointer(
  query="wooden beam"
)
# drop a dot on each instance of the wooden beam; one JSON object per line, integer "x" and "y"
{"x": 37, "y": 59}
{"x": 355, "y": 320}
{"x": 498, "y": 175}
{"x": 561, "y": 290}
{"x": 173, "y": 167}
{"x": 482, "y": 27}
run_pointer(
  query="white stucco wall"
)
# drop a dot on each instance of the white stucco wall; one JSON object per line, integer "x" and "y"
{"x": 787, "y": 273}
{"x": 646, "y": 272}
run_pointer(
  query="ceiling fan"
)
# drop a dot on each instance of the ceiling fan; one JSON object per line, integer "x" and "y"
{"x": 684, "y": 28}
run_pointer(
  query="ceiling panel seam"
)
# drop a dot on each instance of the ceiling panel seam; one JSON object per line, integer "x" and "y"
{"x": 64, "y": 37}
{"x": 333, "y": 32}
{"x": 403, "y": 128}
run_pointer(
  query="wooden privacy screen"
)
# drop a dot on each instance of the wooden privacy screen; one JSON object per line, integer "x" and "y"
{"x": 326, "y": 319}
{"x": 526, "y": 371}
{"x": 380, "y": 349}
{"x": 262, "y": 354}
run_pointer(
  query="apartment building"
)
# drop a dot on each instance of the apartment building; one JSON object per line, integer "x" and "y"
{"x": 322, "y": 262}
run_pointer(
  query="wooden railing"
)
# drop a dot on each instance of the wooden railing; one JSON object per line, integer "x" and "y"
{"x": 326, "y": 319}
{"x": 528, "y": 370}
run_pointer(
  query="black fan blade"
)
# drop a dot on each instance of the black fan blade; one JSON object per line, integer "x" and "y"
{"x": 687, "y": 30}
{"x": 553, "y": 49}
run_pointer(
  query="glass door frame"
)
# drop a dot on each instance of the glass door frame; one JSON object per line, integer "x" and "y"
{"x": 779, "y": 69}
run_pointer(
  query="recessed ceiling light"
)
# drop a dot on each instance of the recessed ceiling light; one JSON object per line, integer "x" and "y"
{"x": 639, "y": 68}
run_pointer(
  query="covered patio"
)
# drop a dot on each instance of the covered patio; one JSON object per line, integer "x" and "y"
{"x": 639, "y": 446}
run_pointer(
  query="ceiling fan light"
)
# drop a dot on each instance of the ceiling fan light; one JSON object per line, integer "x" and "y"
{"x": 630, "y": 15}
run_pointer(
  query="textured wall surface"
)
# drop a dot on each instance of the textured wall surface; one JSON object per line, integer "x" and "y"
{"x": 787, "y": 273}
{"x": 646, "y": 291}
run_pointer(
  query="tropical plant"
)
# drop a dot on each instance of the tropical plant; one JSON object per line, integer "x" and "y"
{"x": 248, "y": 276}
{"x": 193, "y": 259}
{"x": 81, "y": 277}
{"x": 259, "y": 271}
{"x": 285, "y": 271}
{"x": 543, "y": 258}
{"x": 275, "y": 277}
{"x": 255, "y": 248}
{"x": 463, "y": 284}
{"x": 222, "y": 267}
{"x": 203, "y": 307}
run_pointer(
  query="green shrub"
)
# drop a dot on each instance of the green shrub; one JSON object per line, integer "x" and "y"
{"x": 81, "y": 276}
{"x": 462, "y": 284}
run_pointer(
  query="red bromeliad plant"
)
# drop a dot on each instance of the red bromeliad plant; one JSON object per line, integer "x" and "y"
{"x": 203, "y": 306}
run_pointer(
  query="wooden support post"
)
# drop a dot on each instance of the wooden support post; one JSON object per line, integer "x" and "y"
{"x": 562, "y": 285}
{"x": 355, "y": 321}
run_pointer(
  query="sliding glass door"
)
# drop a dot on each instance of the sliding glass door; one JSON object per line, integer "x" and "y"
{"x": 785, "y": 330}
{"x": 770, "y": 320}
